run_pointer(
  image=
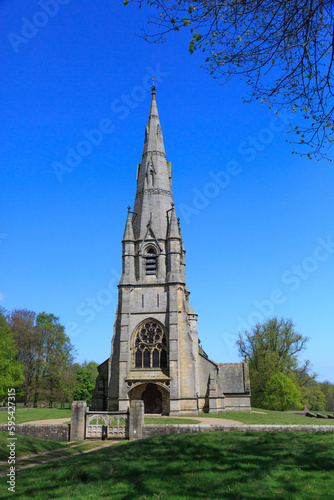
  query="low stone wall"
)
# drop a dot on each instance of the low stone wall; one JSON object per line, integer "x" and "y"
{"x": 56, "y": 432}
{"x": 150, "y": 430}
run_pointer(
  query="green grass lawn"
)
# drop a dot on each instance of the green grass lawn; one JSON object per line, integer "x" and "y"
{"x": 52, "y": 455}
{"x": 27, "y": 445}
{"x": 34, "y": 414}
{"x": 64, "y": 452}
{"x": 220, "y": 465}
{"x": 161, "y": 420}
{"x": 270, "y": 417}
{"x": 27, "y": 415}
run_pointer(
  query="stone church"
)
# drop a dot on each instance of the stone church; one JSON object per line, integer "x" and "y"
{"x": 155, "y": 352}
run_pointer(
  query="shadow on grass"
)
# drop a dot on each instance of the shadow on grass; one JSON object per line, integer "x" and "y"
{"x": 231, "y": 465}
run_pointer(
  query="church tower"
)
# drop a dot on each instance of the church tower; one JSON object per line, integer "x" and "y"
{"x": 155, "y": 353}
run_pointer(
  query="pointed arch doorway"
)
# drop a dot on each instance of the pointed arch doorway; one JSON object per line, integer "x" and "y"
{"x": 152, "y": 398}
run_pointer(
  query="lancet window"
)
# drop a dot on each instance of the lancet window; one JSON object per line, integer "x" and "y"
{"x": 151, "y": 346}
{"x": 151, "y": 176}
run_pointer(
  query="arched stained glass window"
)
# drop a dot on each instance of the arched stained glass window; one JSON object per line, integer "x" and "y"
{"x": 146, "y": 358}
{"x": 139, "y": 359}
{"x": 155, "y": 358}
{"x": 150, "y": 346}
{"x": 163, "y": 358}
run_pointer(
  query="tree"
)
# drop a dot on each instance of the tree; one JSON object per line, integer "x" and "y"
{"x": 57, "y": 357}
{"x": 269, "y": 348}
{"x": 85, "y": 383}
{"x": 29, "y": 344}
{"x": 311, "y": 394}
{"x": 283, "y": 49}
{"x": 328, "y": 390}
{"x": 11, "y": 369}
{"x": 91, "y": 366}
{"x": 281, "y": 394}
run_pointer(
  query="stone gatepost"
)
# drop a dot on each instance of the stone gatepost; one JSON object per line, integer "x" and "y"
{"x": 136, "y": 420}
{"x": 78, "y": 420}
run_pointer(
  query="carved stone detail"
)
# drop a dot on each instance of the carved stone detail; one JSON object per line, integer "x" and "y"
{"x": 153, "y": 191}
{"x": 155, "y": 153}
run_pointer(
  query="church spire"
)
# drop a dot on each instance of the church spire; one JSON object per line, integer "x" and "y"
{"x": 154, "y": 189}
{"x": 153, "y": 135}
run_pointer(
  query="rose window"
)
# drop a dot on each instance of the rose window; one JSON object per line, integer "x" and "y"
{"x": 151, "y": 346}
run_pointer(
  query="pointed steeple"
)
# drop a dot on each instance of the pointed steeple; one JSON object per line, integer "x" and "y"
{"x": 174, "y": 250}
{"x": 153, "y": 134}
{"x": 128, "y": 232}
{"x": 154, "y": 189}
{"x": 128, "y": 261}
{"x": 173, "y": 228}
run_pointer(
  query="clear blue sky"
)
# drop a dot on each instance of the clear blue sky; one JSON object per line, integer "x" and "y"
{"x": 257, "y": 221}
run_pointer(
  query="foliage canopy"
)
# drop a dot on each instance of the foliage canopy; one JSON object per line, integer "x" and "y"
{"x": 284, "y": 49}
{"x": 84, "y": 385}
{"x": 11, "y": 369}
{"x": 281, "y": 394}
{"x": 269, "y": 348}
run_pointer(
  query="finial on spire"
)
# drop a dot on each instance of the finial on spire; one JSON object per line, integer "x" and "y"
{"x": 129, "y": 208}
{"x": 178, "y": 225}
{"x": 153, "y": 86}
{"x": 172, "y": 204}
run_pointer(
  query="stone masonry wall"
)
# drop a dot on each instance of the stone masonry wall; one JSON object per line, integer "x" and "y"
{"x": 232, "y": 378}
{"x": 150, "y": 430}
{"x": 205, "y": 367}
{"x": 55, "y": 432}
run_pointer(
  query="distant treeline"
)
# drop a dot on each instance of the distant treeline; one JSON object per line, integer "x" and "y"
{"x": 278, "y": 380}
{"x": 37, "y": 359}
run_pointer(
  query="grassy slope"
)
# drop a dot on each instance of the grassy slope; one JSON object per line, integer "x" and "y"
{"x": 52, "y": 455}
{"x": 270, "y": 417}
{"x": 28, "y": 445}
{"x": 194, "y": 466}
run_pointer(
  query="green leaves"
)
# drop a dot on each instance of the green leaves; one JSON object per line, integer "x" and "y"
{"x": 257, "y": 37}
{"x": 84, "y": 385}
{"x": 270, "y": 347}
{"x": 282, "y": 394}
{"x": 11, "y": 369}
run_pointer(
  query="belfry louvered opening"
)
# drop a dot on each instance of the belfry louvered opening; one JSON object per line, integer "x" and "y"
{"x": 151, "y": 262}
